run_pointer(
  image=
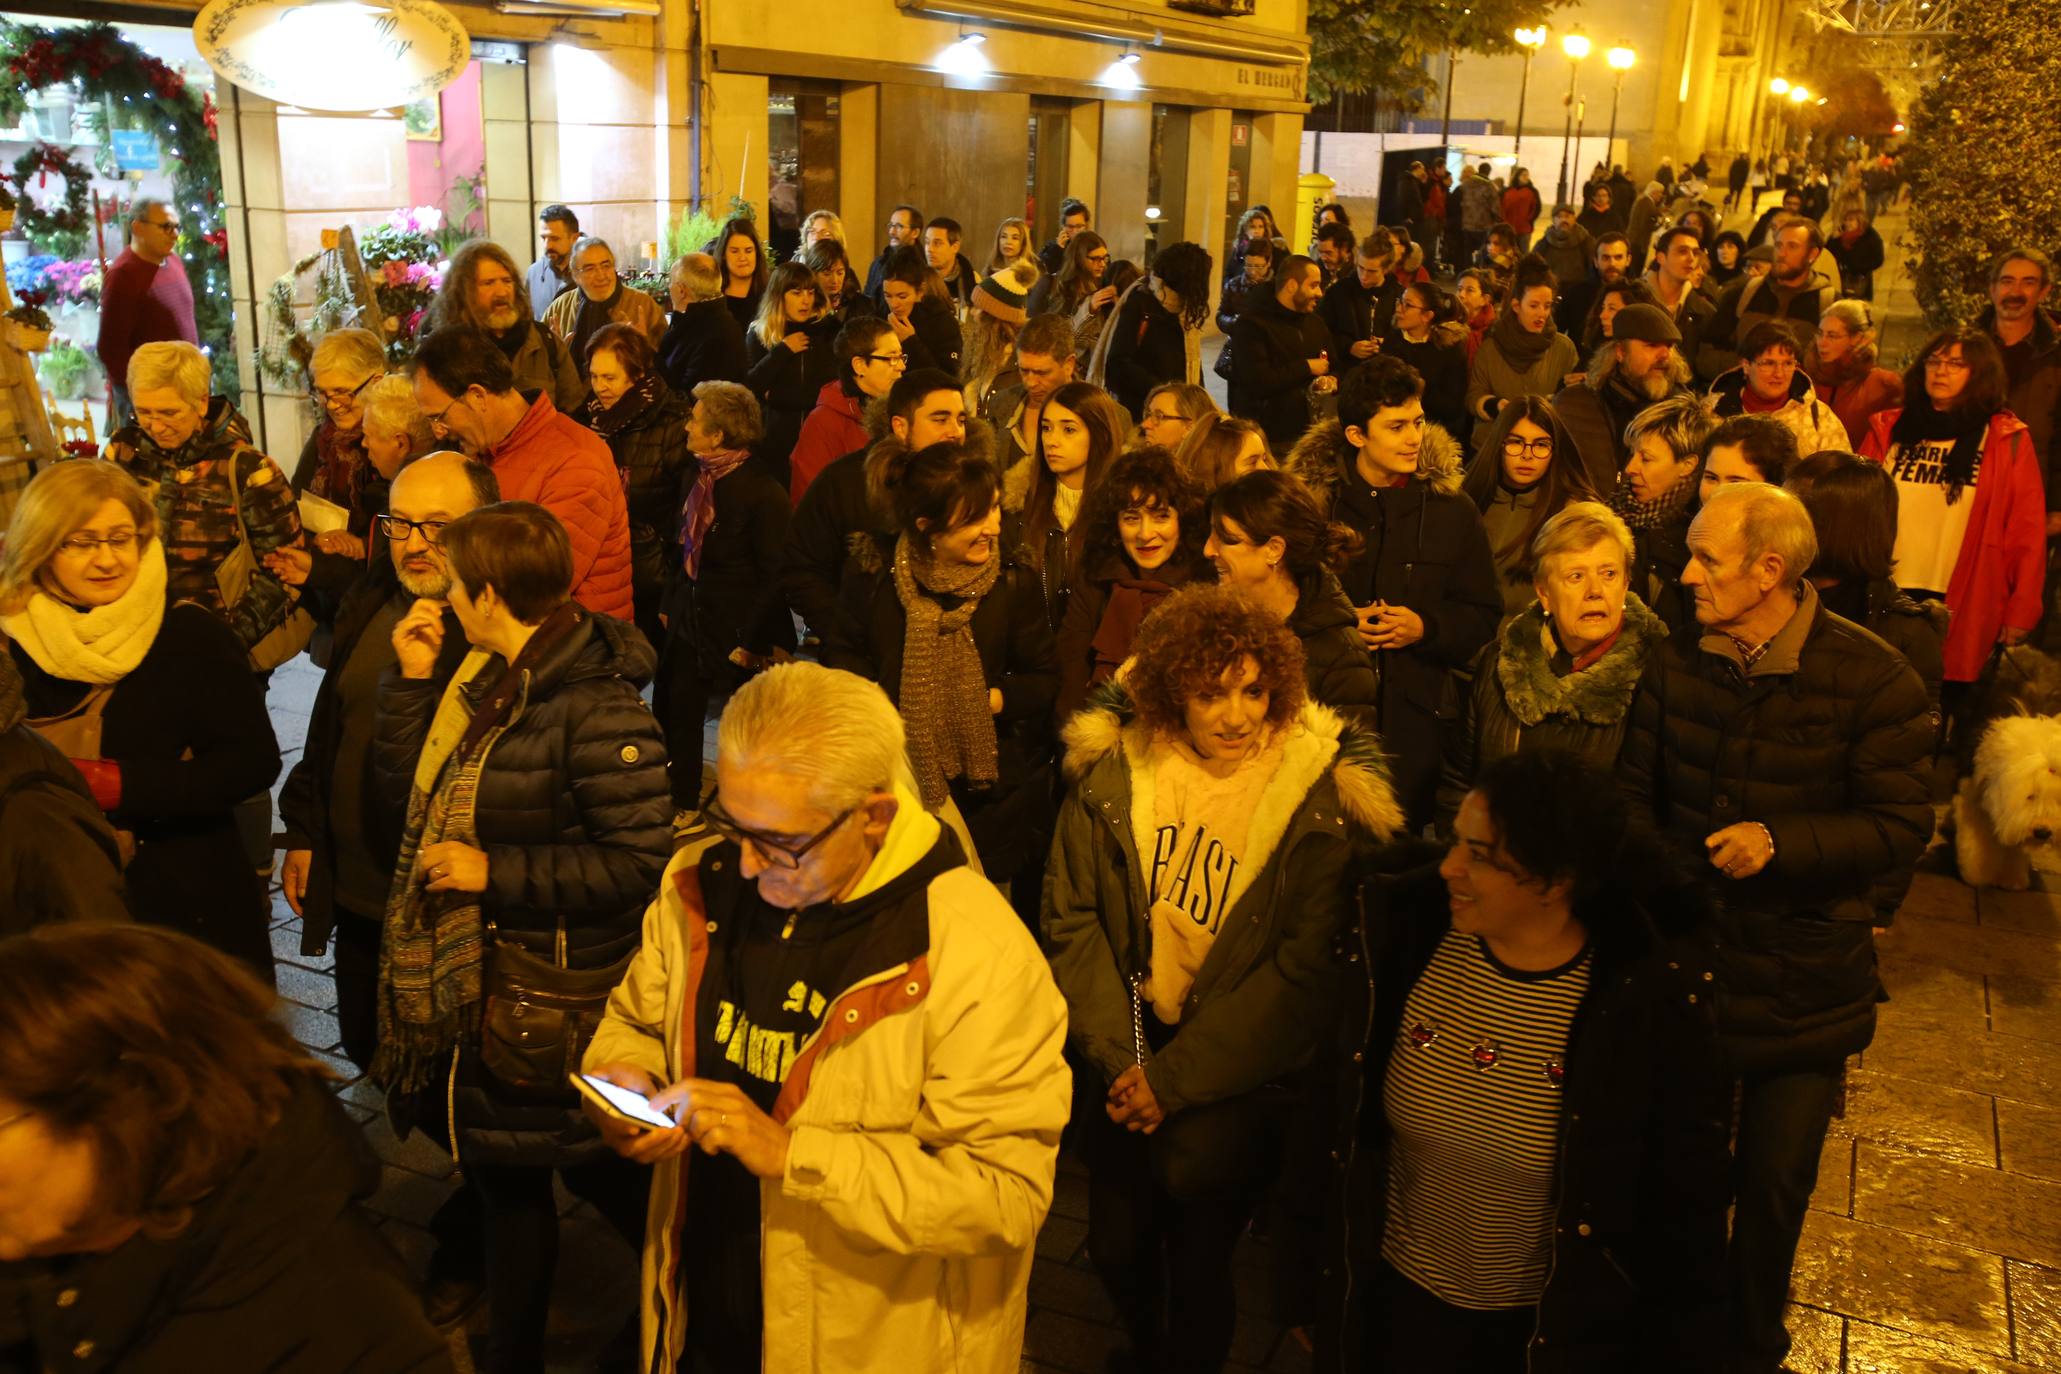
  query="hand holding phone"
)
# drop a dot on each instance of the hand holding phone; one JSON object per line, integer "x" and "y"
{"x": 619, "y": 1097}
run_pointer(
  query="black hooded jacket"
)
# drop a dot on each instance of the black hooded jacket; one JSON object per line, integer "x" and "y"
{"x": 58, "y": 858}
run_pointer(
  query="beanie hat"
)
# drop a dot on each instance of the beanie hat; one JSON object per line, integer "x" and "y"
{"x": 998, "y": 296}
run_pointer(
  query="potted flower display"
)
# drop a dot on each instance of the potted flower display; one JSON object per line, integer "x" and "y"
{"x": 8, "y": 205}
{"x": 28, "y": 324}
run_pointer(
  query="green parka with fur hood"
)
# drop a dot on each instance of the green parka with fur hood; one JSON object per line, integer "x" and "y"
{"x": 1519, "y": 701}
{"x": 1260, "y": 1002}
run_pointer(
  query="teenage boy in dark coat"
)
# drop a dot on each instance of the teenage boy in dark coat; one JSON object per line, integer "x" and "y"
{"x": 1425, "y": 585}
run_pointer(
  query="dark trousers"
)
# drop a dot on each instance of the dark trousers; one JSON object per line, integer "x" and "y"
{"x": 1165, "y": 1263}
{"x": 1410, "y": 1330}
{"x": 356, "y": 943}
{"x": 680, "y": 695}
{"x": 521, "y": 1235}
{"x": 1782, "y": 1122}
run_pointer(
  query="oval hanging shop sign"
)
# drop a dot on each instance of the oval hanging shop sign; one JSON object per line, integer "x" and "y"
{"x": 343, "y": 55}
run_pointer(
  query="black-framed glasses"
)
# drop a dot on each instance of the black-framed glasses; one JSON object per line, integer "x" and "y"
{"x": 326, "y": 397}
{"x": 438, "y": 418}
{"x": 772, "y": 851}
{"x": 398, "y": 528}
{"x": 891, "y": 359}
{"x": 1538, "y": 448}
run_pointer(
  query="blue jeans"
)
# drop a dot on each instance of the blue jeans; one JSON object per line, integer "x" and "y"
{"x": 1782, "y": 1122}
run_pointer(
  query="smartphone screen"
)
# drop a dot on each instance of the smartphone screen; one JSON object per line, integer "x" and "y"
{"x": 631, "y": 1104}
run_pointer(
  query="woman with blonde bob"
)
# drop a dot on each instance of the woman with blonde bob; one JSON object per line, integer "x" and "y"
{"x": 1842, "y": 366}
{"x": 214, "y": 488}
{"x": 1562, "y": 671}
{"x": 333, "y": 463}
{"x": 152, "y": 700}
{"x": 185, "y": 1167}
{"x": 790, "y": 353}
{"x": 1012, "y": 244}
{"x": 1196, "y": 889}
{"x": 1171, "y": 410}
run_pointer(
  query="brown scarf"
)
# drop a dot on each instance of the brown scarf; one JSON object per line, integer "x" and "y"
{"x": 944, "y": 697}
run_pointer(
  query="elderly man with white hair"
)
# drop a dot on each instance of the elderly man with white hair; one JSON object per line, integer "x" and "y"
{"x": 861, "y": 1046}
{"x": 702, "y": 341}
{"x": 602, "y": 299}
{"x": 1788, "y": 747}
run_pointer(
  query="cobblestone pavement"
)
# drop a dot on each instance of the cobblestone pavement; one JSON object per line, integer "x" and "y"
{"x": 1934, "y": 1243}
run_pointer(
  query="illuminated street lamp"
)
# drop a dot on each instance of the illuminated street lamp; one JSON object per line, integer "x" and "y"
{"x": 1779, "y": 86}
{"x": 1620, "y": 59}
{"x": 1576, "y": 46}
{"x": 1531, "y": 40}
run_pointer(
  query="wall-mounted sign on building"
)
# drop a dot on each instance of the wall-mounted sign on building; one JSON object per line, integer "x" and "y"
{"x": 343, "y": 55}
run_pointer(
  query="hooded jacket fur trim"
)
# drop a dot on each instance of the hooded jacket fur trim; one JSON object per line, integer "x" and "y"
{"x": 1597, "y": 695}
{"x": 1322, "y": 457}
{"x": 1320, "y": 738}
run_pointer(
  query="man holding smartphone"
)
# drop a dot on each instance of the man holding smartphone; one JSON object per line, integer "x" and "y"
{"x": 861, "y": 1045}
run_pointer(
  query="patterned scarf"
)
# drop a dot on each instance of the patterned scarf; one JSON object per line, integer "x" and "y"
{"x": 433, "y": 950}
{"x": 610, "y": 420}
{"x": 944, "y": 690}
{"x": 699, "y": 511}
{"x": 1651, "y": 515}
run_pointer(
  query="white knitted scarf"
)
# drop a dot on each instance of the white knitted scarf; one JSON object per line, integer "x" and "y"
{"x": 102, "y": 645}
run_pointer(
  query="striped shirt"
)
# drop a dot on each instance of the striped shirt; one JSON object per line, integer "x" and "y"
{"x": 1473, "y": 1105}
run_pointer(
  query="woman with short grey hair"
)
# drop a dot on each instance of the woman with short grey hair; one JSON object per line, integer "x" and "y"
{"x": 333, "y": 463}
{"x": 1562, "y": 672}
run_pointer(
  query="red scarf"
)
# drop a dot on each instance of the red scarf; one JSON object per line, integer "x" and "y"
{"x": 1750, "y": 400}
{"x": 1591, "y": 657}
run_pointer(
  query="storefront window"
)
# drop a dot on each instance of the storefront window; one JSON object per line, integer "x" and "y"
{"x": 1166, "y": 183}
{"x": 1045, "y": 175}
{"x": 802, "y": 152}
{"x": 1238, "y": 183}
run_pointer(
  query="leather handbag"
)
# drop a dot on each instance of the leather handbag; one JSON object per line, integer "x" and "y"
{"x": 540, "y": 1014}
{"x": 76, "y": 733}
{"x": 233, "y": 577}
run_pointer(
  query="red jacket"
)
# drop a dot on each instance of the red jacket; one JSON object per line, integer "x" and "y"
{"x": 836, "y": 426}
{"x": 2000, "y": 576}
{"x": 1857, "y": 397}
{"x": 565, "y": 467}
{"x": 1521, "y": 211}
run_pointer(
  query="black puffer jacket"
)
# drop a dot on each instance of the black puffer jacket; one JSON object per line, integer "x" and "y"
{"x": 1636, "y": 1281}
{"x": 1829, "y": 755}
{"x": 1441, "y": 360}
{"x": 649, "y": 443}
{"x": 575, "y": 816}
{"x": 1271, "y": 349}
{"x": 1053, "y": 554}
{"x": 1520, "y": 702}
{"x": 278, "y": 1270}
{"x": 734, "y": 601}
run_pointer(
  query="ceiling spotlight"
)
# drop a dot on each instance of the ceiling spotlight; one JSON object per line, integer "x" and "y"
{"x": 1122, "y": 74}
{"x": 964, "y": 58}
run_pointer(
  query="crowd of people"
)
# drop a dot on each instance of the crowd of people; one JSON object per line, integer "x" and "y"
{"x": 1433, "y": 809}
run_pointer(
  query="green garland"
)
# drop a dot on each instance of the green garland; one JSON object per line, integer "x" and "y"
{"x": 138, "y": 91}
{"x": 63, "y": 231}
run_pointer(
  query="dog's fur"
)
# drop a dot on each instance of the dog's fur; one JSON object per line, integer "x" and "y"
{"x": 2009, "y": 798}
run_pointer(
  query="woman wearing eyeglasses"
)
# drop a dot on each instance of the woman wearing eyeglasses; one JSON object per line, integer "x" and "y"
{"x": 153, "y": 701}
{"x": 334, "y": 464}
{"x": 1525, "y": 473}
{"x": 536, "y": 829}
{"x": 1971, "y": 525}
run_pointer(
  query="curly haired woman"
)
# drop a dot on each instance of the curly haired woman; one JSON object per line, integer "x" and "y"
{"x": 1196, "y": 887}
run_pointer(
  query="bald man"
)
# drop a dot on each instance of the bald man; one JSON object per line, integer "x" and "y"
{"x": 341, "y": 845}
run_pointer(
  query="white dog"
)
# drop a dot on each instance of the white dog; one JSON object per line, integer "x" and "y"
{"x": 2010, "y": 802}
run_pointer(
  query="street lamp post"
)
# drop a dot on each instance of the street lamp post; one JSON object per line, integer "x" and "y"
{"x": 1531, "y": 40}
{"x": 1620, "y": 59}
{"x": 1777, "y": 88}
{"x": 1576, "y": 46}
{"x": 1798, "y": 96}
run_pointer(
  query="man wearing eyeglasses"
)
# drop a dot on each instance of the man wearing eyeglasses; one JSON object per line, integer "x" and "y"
{"x": 144, "y": 298}
{"x": 862, "y": 1048}
{"x": 601, "y": 299}
{"x": 340, "y": 843}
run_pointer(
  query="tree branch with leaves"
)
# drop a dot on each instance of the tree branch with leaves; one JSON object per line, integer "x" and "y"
{"x": 1388, "y": 46}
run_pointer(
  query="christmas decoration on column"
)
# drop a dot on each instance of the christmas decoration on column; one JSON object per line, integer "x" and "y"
{"x": 138, "y": 91}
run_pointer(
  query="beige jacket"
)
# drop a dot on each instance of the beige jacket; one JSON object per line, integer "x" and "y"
{"x": 925, "y": 1114}
{"x": 632, "y": 307}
